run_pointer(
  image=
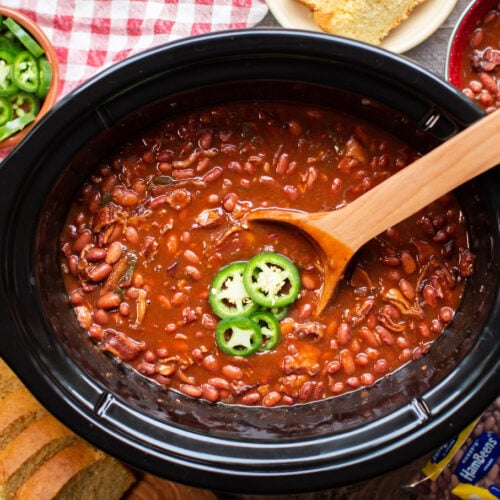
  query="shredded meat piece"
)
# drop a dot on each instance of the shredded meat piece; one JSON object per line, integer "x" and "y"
{"x": 303, "y": 360}
{"x": 121, "y": 345}
{"x": 84, "y": 316}
{"x": 485, "y": 60}
{"x": 311, "y": 329}
{"x": 107, "y": 215}
{"x": 210, "y": 218}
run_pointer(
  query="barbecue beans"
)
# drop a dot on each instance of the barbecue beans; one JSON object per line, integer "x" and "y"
{"x": 158, "y": 219}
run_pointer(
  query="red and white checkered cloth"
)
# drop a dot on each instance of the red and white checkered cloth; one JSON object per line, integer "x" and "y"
{"x": 89, "y": 35}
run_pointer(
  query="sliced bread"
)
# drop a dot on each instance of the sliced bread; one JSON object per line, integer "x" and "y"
{"x": 18, "y": 410}
{"x": 77, "y": 472}
{"x": 368, "y": 21}
{"x": 25, "y": 453}
{"x": 8, "y": 380}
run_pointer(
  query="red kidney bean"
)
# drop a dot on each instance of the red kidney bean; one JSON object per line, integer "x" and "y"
{"x": 147, "y": 369}
{"x": 77, "y": 297}
{"x": 101, "y": 317}
{"x": 476, "y": 38}
{"x": 212, "y": 175}
{"x": 251, "y": 398}
{"x": 193, "y": 272}
{"x": 332, "y": 367}
{"x": 96, "y": 332}
{"x": 391, "y": 260}
{"x": 95, "y": 254}
{"x": 344, "y": 335}
{"x": 408, "y": 263}
{"x": 271, "y": 398}
{"x": 191, "y": 390}
{"x": 99, "y": 272}
{"x": 229, "y": 202}
{"x": 306, "y": 391}
{"x": 82, "y": 241}
{"x": 424, "y": 330}
{"x": 73, "y": 262}
{"x": 282, "y": 164}
{"x": 305, "y": 311}
{"x": 347, "y": 362}
{"x": 381, "y": 366}
{"x": 369, "y": 337}
{"x": 430, "y": 296}
{"x": 131, "y": 235}
{"x": 220, "y": 383}
{"x": 109, "y": 300}
{"x": 353, "y": 382}
{"x": 114, "y": 253}
{"x": 361, "y": 359}
{"x": 407, "y": 289}
{"x": 367, "y": 378}
{"x": 385, "y": 335}
{"x": 446, "y": 314}
{"x": 232, "y": 372}
{"x": 210, "y": 393}
{"x": 124, "y": 197}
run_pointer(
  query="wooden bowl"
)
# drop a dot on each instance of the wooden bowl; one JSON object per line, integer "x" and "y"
{"x": 28, "y": 24}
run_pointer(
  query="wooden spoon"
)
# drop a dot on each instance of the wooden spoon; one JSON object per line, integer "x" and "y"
{"x": 340, "y": 233}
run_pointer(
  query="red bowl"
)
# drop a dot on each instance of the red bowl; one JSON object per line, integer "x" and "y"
{"x": 29, "y": 25}
{"x": 467, "y": 23}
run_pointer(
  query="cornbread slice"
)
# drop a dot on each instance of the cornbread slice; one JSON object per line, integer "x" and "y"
{"x": 78, "y": 471}
{"x": 24, "y": 454}
{"x": 8, "y": 380}
{"x": 368, "y": 21}
{"x": 17, "y": 411}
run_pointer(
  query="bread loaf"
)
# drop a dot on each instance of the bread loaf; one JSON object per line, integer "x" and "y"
{"x": 25, "y": 453}
{"x": 368, "y": 21}
{"x": 18, "y": 410}
{"x": 77, "y": 472}
{"x": 41, "y": 459}
{"x": 8, "y": 380}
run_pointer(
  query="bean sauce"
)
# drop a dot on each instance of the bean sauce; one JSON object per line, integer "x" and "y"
{"x": 161, "y": 215}
{"x": 480, "y": 71}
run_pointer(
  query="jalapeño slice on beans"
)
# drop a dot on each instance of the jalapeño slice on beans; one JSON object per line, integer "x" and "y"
{"x": 238, "y": 336}
{"x": 269, "y": 329}
{"x": 272, "y": 280}
{"x": 227, "y": 295}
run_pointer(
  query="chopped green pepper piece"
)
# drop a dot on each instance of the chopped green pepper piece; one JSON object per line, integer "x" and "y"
{"x": 227, "y": 294}
{"x": 45, "y": 77}
{"x": 10, "y": 45}
{"x": 238, "y": 336}
{"x": 13, "y": 126}
{"x": 5, "y": 110}
{"x": 23, "y": 103}
{"x": 279, "y": 312}
{"x": 24, "y": 37}
{"x": 269, "y": 329}
{"x": 7, "y": 85}
{"x": 271, "y": 280}
{"x": 25, "y": 72}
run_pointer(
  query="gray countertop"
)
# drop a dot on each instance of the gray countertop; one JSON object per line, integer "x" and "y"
{"x": 431, "y": 53}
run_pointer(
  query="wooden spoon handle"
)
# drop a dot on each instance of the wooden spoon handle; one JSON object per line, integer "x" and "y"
{"x": 459, "y": 159}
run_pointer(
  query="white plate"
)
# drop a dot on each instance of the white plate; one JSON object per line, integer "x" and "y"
{"x": 423, "y": 21}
